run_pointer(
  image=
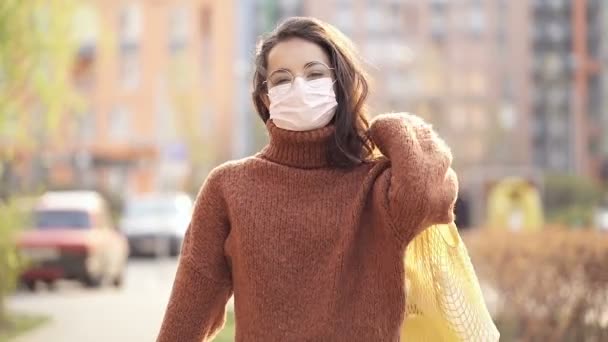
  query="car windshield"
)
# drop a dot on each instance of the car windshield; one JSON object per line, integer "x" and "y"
{"x": 149, "y": 207}
{"x": 52, "y": 219}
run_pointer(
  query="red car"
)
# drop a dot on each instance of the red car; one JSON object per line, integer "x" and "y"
{"x": 73, "y": 238}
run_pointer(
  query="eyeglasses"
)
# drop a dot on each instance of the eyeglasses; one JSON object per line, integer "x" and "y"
{"x": 282, "y": 80}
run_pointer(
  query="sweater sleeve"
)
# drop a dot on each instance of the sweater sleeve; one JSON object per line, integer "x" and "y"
{"x": 202, "y": 286}
{"x": 422, "y": 186}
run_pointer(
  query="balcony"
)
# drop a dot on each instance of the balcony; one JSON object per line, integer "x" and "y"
{"x": 438, "y": 27}
{"x": 555, "y": 6}
{"x": 552, "y": 32}
{"x": 551, "y": 66}
{"x": 438, "y": 4}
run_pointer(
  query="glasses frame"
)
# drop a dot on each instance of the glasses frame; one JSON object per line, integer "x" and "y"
{"x": 293, "y": 77}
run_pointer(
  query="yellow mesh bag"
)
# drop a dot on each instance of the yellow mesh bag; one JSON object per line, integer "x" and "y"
{"x": 444, "y": 300}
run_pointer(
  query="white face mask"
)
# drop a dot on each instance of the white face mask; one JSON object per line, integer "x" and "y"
{"x": 303, "y": 105}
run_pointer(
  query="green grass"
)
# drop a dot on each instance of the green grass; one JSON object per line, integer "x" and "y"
{"x": 227, "y": 334}
{"x": 18, "y": 324}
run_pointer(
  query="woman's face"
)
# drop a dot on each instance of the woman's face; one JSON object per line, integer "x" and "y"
{"x": 296, "y": 57}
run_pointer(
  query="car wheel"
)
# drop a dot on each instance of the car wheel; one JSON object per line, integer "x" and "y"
{"x": 51, "y": 284}
{"x": 30, "y": 285}
{"x": 118, "y": 280}
{"x": 176, "y": 246}
{"x": 92, "y": 281}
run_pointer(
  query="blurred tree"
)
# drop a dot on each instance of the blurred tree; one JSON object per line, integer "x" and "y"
{"x": 10, "y": 263}
{"x": 36, "y": 59}
{"x": 192, "y": 125}
{"x": 571, "y": 200}
{"x": 548, "y": 285}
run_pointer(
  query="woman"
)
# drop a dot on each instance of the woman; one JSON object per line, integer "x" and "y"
{"x": 310, "y": 233}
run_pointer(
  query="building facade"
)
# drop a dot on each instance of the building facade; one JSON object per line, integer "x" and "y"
{"x": 566, "y": 77}
{"x": 167, "y": 84}
{"x": 158, "y": 83}
{"x": 460, "y": 64}
{"x": 604, "y": 96}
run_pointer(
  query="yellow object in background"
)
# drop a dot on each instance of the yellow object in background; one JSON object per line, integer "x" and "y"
{"x": 444, "y": 299}
{"x": 515, "y": 204}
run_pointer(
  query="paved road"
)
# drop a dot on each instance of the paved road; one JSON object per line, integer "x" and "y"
{"x": 131, "y": 314}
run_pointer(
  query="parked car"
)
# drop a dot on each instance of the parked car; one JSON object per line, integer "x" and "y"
{"x": 155, "y": 224}
{"x": 73, "y": 238}
{"x": 601, "y": 218}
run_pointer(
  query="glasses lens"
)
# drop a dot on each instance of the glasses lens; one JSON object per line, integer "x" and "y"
{"x": 316, "y": 72}
{"x": 279, "y": 78}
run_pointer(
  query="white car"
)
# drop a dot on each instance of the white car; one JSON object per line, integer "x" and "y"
{"x": 156, "y": 224}
{"x": 601, "y": 219}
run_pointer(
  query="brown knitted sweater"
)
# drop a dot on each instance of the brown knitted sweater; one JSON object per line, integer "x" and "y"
{"x": 311, "y": 252}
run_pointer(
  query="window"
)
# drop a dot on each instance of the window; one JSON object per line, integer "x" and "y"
{"x": 290, "y": 8}
{"x": 207, "y": 120}
{"x": 508, "y": 88}
{"x": 556, "y": 96}
{"x": 438, "y": 19}
{"x": 130, "y": 32}
{"x": 375, "y": 20}
{"x": 507, "y": 116}
{"x": 398, "y": 52}
{"x": 130, "y": 24}
{"x": 557, "y": 128}
{"x": 119, "y": 123}
{"x": 458, "y": 118}
{"x": 392, "y": 14}
{"x": 399, "y": 84}
{"x": 438, "y": 26}
{"x": 477, "y": 83}
{"x": 558, "y": 160}
{"x": 86, "y": 26}
{"x": 476, "y": 18}
{"x": 539, "y": 124}
{"x": 477, "y": 117}
{"x": 556, "y": 32}
{"x": 374, "y": 51}
{"x": 344, "y": 19}
{"x": 410, "y": 19}
{"x": 179, "y": 22}
{"x": 87, "y": 126}
{"x": 501, "y": 29}
{"x": 557, "y": 5}
{"x": 61, "y": 219}
{"x": 129, "y": 69}
{"x": 439, "y": 4}
{"x": 206, "y": 44}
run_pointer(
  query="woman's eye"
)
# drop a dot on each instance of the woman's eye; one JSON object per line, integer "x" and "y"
{"x": 281, "y": 81}
{"x": 315, "y": 75}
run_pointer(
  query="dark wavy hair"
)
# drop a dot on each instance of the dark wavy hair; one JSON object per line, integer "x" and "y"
{"x": 352, "y": 144}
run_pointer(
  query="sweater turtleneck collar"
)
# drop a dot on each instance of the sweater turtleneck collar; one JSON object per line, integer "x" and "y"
{"x": 306, "y": 150}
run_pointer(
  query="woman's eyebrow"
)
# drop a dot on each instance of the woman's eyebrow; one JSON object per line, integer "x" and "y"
{"x": 311, "y": 63}
{"x": 279, "y": 70}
